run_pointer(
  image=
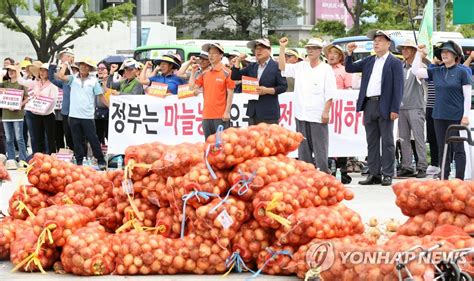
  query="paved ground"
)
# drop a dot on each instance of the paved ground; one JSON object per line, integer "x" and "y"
{"x": 373, "y": 201}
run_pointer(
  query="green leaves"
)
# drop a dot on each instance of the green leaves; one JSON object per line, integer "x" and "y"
{"x": 56, "y": 20}
{"x": 333, "y": 28}
{"x": 243, "y": 14}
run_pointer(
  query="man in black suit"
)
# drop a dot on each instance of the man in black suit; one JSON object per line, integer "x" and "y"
{"x": 380, "y": 96}
{"x": 267, "y": 108}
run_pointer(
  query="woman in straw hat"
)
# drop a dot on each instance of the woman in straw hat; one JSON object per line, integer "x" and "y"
{"x": 13, "y": 118}
{"x": 44, "y": 121}
{"x": 453, "y": 98}
{"x": 167, "y": 67}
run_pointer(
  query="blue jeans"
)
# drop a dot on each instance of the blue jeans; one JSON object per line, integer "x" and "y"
{"x": 14, "y": 130}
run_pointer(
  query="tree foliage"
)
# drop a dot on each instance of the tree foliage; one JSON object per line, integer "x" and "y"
{"x": 332, "y": 28}
{"x": 243, "y": 14}
{"x": 56, "y": 27}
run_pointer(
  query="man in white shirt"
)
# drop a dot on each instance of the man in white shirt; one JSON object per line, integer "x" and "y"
{"x": 315, "y": 85}
{"x": 380, "y": 96}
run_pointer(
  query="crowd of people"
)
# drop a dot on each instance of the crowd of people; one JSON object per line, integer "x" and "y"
{"x": 417, "y": 92}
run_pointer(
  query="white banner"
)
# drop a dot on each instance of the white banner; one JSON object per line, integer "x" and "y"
{"x": 141, "y": 119}
{"x": 11, "y": 98}
{"x": 39, "y": 104}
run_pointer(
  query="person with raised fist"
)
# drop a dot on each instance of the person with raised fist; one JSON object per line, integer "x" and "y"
{"x": 315, "y": 86}
{"x": 380, "y": 96}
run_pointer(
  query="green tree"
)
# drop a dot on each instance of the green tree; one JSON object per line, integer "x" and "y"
{"x": 244, "y": 14}
{"x": 56, "y": 28}
{"x": 332, "y": 28}
{"x": 467, "y": 30}
{"x": 356, "y": 11}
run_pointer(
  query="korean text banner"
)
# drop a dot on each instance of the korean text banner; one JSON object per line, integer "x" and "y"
{"x": 140, "y": 119}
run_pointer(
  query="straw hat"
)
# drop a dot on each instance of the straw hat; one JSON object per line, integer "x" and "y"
{"x": 68, "y": 51}
{"x": 407, "y": 43}
{"x": 293, "y": 52}
{"x": 206, "y": 47}
{"x": 34, "y": 68}
{"x": 168, "y": 60}
{"x": 89, "y": 62}
{"x": 129, "y": 63}
{"x": 264, "y": 42}
{"x": 315, "y": 42}
{"x": 336, "y": 47}
{"x": 374, "y": 33}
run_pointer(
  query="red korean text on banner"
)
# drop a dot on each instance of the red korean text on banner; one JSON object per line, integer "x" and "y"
{"x": 249, "y": 85}
{"x": 39, "y": 105}
{"x": 185, "y": 92}
{"x": 158, "y": 90}
{"x": 11, "y": 98}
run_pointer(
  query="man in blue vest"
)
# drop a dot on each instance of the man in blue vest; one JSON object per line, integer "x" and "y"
{"x": 380, "y": 96}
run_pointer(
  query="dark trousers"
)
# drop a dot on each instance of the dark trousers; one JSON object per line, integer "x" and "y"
{"x": 431, "y": 136}
{"x": 377, "y": 128}
{"x": 59, "y": 134}
{"x": 315, "y": 145}
{"x": 102, "y": 129}
{"x": 67, "y": 132}
{"x": 209, "y": 126}
{"x": 3, "y": 147}
{"x": 256, "y": 121}
{"x": 25, "y": 131}
{"x": 44, "y": 124}
{"x": 456, "y": 148}
{"x": 29, "y": 123}
{"x": 81, "y": 128}
{"x": 341, "y": 163}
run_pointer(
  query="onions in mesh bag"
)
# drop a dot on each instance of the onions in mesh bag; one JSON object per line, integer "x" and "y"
{"x": 89, "y": 251}
{"x": 235, "y": 145}
{"x": 26, "y": 201}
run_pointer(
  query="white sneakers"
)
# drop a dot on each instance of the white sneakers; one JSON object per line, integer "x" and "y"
{"x": 433, "y": 170}
{"x": 11, "y": 165}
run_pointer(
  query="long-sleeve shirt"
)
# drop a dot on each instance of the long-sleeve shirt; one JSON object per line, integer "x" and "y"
{"x": 64, "y": 86}
{"x": 42, "y": 89}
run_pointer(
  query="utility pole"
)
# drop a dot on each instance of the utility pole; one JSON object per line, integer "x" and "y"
{"x": 261, "y": 17}
{"x": 139, "y": 23}
{"x": 165, "y": 12}
{"x": 442, "y": 15}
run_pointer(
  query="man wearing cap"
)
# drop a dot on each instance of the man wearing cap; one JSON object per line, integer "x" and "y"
{"x": 380, "y": 96}
{"x": 167, "y": 67}
{"x": 65, "y": 57}
{"x": 202, "y": 60}
{"x": 129, "y": 85}
{"x": 315, "y": 85}
{"x": 412, "y": 115}
{"x": 218, "y": 90}
{"x": 267, "y": 108}
{"x": 292, "y": 56}
{"x": 84, "y": 88}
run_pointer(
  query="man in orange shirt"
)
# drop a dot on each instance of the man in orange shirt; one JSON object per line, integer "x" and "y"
{"x": 218, "y": 90}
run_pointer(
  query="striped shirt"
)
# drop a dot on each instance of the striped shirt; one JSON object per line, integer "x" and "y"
{"x": 430, "y": 101}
